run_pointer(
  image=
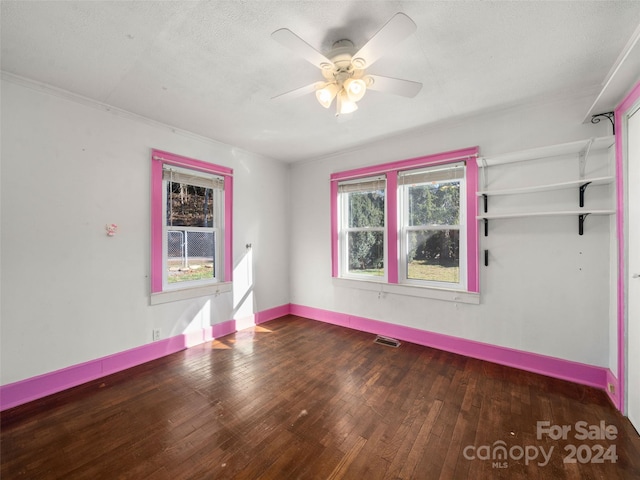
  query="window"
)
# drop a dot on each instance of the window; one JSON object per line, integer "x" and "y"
{"x": 432, "y": 222}
{"x": 410, "y": 222}
{"x": 362, "y": 238}
{"x": 191, "y": 223}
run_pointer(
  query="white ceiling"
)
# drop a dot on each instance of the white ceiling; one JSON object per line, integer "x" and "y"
{"x": 211, "y": 67}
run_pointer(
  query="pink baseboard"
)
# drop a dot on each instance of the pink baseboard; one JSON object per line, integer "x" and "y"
{"x": 23, "y": 391}
{"x": 272, "y": 313}
{"x": 550, "y": 366}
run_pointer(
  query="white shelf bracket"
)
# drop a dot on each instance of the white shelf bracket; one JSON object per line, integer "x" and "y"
{"x": 583, "y": 155}
{"x": 485, "y": 174}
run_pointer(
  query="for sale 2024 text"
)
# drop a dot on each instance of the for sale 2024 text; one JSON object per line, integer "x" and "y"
{"x": 583, "y": 453}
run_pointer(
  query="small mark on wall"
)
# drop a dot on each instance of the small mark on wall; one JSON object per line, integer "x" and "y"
{"x": 111, "y": 229}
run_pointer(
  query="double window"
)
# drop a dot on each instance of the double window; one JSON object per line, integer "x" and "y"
{"x": 408, "y": 222}
{"x": 191, "y": 223}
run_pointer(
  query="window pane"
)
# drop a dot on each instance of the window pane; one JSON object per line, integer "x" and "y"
{"x": 366, "y": 209}
{"x": 434, "y": 255}
{"x": 366, "y": 253}
{"x": 189, "y": 205}
{"x": 190, "y": 255}
{"x": 434, "y": 204}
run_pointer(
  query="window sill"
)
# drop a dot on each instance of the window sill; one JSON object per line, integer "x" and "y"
{"x": 168, "y": 296}
{"x": 447, "y": 295}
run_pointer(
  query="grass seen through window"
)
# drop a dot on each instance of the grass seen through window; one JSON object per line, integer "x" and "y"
{"x": 422, "y": 270}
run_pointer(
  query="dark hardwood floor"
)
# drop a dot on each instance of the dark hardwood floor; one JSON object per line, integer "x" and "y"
{"x": 295, "y": 398}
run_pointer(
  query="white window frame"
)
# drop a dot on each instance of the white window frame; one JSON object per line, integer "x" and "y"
{"x": 202, "y": 179}
{"x": 344, "y": 231}
{"x": 405, "y": 228}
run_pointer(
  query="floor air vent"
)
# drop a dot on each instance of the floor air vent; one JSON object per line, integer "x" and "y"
{"x": 389, "y": 342}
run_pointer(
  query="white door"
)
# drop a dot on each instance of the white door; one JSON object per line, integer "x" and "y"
{"x": 633, "y": 281}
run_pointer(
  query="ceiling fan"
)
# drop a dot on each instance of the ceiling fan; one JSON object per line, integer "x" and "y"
{"x": 344, "y": 68}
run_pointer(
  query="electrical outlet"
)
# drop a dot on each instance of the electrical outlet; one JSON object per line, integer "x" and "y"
{"x": 612, "y": 388}
{"x": 156, "y": 334}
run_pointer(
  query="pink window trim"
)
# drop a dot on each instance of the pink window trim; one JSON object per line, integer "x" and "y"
{"x": 160, "y": 158}
{"x": 391, "y": 170}
{"x": 392, "y": 227}
{"x": 428, "y": 160}
{"x": 628, "y": 102}
{"x": 228, "y": 228}
{"x": 334, "y": 230}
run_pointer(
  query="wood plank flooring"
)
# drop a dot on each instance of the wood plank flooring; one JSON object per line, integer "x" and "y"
{"x": 299, "y": 399}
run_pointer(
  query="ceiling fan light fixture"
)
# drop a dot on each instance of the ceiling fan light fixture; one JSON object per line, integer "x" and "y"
{"x": 344, "y": 104}
{"x": 326, "y": 94}
{"x": 355, "y": 88}
{"x": 359, "y": 63}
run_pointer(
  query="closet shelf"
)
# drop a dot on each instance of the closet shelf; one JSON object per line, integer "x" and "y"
{"x": 497, "y": 216}
{"x": 549, "y": 186}
{"x": 582, "y": 216}
{"x": 582, "y": 146}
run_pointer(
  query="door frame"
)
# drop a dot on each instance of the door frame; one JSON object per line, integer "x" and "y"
{"x": 621, "y": 115}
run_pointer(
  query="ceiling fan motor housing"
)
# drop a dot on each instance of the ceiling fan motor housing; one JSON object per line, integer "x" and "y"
{"x": 343, "y": 66}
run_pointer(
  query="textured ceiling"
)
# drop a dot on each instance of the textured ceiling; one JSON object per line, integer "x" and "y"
{"x": 211, "y": 67}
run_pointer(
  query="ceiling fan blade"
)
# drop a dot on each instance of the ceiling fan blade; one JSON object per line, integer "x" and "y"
{"x": 299, "y": 92}
{"x": 286, "y": 37}
{"x": 393, "y": 32}
{"x": 397, "y": 86}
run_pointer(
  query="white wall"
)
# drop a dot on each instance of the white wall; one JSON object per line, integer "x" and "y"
{"x": 546, "y": 289}
{"x": 70, "y": 293}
